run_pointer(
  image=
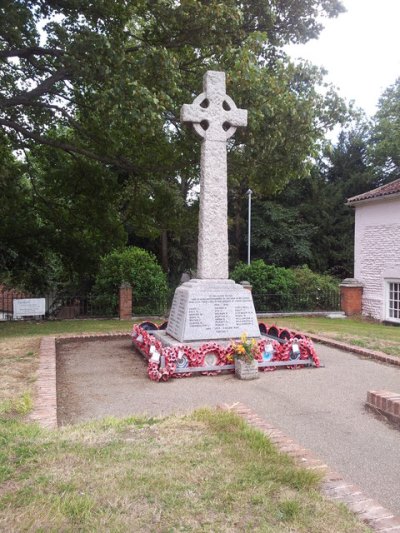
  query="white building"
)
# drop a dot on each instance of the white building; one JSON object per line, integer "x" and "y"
{"x": 377, "y": 250}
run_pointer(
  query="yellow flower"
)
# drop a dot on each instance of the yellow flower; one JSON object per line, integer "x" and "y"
{"x": 243, "y": 337}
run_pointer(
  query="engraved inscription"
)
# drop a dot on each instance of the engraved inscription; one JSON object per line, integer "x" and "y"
{"x": 242, "y": 316}
{"x": 196, "y": 319}
{"x": 177, "y": 315}
{"x": 220, "y": 315}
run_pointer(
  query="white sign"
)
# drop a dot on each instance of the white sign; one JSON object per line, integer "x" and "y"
{"x": 29, "y": 307}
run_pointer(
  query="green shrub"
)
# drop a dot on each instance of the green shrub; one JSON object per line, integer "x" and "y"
{"x": 272, "y": 285}
{"x": 285, "y": 289}
{"x": 315, "y": 291}
{"x": 313, "y": 281}
{"x": 137, "y": 267}
{"x": 264, "y": 278}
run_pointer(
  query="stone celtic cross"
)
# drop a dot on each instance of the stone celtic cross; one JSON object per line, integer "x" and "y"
{"x": 215, "y": 118}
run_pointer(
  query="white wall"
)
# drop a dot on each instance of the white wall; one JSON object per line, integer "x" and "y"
{"x": 377, "y": 251}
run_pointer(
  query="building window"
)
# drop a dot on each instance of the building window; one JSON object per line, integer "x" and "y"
{"x": 393, "y": 301}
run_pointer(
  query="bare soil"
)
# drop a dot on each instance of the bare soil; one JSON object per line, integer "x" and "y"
{"x": 97, "y": 379}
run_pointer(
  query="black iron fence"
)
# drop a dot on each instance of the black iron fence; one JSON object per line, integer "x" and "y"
{"x": 295, "y": 301}
{"x": 298, "y": 301}
{"x": 155, "y": 306}
{"x": 67, "y": 306}
{"x": 82, "y": 306}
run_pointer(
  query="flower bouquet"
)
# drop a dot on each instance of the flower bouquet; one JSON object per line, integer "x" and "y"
{"x": 245, "y": 354}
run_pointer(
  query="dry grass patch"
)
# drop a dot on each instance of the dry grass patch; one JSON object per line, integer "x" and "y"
{"x": 18, "y": 366}
{"x": 206, "y": 472}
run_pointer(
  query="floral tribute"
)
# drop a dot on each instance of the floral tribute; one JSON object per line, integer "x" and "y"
{"x": 246, "y": 349}
{"x": 176, "y": 362}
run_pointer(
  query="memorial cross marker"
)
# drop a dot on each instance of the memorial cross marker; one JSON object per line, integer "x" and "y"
{"x": 212, "y": 306}
{"x": 215, "y": 118}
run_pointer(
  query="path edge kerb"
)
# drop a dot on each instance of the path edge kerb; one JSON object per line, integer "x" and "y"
{"x": 45, "y": 403}
{"x": 333, "y": 485}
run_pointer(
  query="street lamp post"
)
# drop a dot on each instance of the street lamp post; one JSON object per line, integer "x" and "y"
{"x": 249, "y": 193}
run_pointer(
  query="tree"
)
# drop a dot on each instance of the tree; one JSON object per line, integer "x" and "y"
{"x": 105, "y": 83}
{"x": 25, "y": 257}
{"x": 308, "y": 221}
{"x": 385, "y": 139}
{"x": 137, "y": 267}
{"x": 288, "y": 120}
{"x": 76, "y": 201}
{"x": 345, "y": 172}
{"x": 281, "y": 235}
{"x": 115, "y": 53}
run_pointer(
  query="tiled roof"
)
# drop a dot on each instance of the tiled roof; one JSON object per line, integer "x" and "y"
{"x": 385, "y": 190}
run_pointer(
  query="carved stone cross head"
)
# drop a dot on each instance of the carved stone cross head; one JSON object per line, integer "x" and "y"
{"x": 213, "y": 113}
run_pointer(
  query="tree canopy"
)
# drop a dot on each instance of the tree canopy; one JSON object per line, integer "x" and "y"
{"x": 90, "y": 95}
{"x": 385, "y": 139}
{"x": 129, "y": 64}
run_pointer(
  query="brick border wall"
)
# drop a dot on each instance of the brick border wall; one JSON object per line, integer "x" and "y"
{"x": 386, "y": 403}
{"x": 45, "y": 410}
{"x": 333, "y": 486}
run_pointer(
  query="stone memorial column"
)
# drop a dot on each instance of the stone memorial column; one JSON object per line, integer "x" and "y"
{"x": 212, "y": 306}
{"x": 215, "y": 118}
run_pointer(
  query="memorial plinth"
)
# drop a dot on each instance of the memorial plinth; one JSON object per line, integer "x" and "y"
{"x": 212, "y": 310}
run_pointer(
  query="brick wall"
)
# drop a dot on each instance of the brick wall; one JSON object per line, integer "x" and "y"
{"x": 387, "y": 403}
{"x": 7, "y": 297}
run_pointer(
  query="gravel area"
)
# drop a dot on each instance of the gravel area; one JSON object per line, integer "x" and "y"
{"x": 322, "y": 409}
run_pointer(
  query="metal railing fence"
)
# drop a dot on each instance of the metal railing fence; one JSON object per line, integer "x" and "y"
{"x": 67, "y": 306}
{"x": 297, "y": 301}
{"x": 154, "y": 306}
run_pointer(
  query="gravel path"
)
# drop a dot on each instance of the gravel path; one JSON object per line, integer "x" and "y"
{"x": 322, "y": 409}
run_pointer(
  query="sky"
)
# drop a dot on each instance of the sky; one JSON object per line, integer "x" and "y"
{"x": 360, "y": 49}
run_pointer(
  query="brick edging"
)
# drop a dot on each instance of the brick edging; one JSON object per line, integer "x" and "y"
{"x": 64, "y": 339}
{"x": 333, "y": 486}
{"x": 371, "y": 354}
{"x": 45, "y": 405}
{"x": 45, "y": 409}
{"x": 386, "y": 403}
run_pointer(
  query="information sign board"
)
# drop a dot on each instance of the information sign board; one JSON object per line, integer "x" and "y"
{"x": 29, "y": 307}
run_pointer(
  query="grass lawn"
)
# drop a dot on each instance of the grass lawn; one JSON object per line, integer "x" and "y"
{"x": 205, "y": 472}
{"x": 61, "y": 327}
{"x": 356, "y": 331}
